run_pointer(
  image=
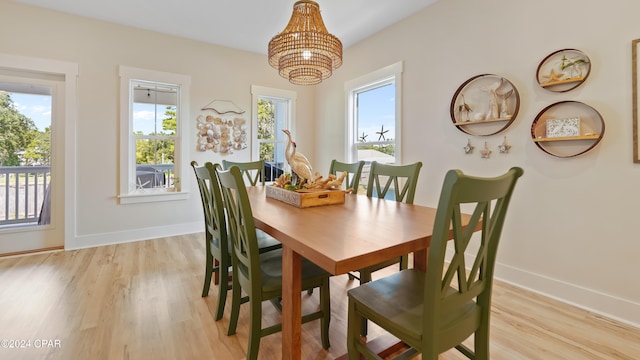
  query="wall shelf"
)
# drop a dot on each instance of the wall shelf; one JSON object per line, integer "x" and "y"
{"x": 561, "y": 82}
{"x": 471, "y": 122}
{"x": 589, "y": 132}
{"x": 563, "y": 70}
{"x": 484, "y": 105}
{"x": 568, "y": 138}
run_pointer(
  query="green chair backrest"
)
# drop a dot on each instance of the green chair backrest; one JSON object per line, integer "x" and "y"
{"x": 253, "y": 170}
{"x": 244, "y": 243}
{"x": 212, "y": 204}
{"x": 354, "y": 172}
{"x": 451, "y": 286}
{"x": 404, "y": 179}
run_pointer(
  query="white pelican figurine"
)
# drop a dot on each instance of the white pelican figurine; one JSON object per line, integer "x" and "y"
{"x": 299, "y": 163}
{"x": 300, "y": 168}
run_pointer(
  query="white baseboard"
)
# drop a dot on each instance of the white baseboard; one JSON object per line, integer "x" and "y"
{"x": 616, "y": 308}
{"x": 120, "y": 237}
{"x": 609, "y": 306}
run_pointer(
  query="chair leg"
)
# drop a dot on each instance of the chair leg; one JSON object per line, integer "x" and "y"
{"x": 255, "y": 327}
{"x": 365, "y": 277}
{"x": 353, "y": 331}
{"x": 236, "y": 300}
{"x": 207, "y": 275}
{"x": 223, "y": 272}
{"x": 481, "y": 343}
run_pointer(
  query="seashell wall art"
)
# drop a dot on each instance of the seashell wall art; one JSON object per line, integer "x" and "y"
{"x": 221, "y": 130}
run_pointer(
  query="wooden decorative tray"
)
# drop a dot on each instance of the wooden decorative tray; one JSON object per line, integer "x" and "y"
{"x": 306, "y": 198}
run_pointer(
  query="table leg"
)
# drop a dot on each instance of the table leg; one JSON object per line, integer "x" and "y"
{"x": 420, "y": 259}
{"x": 291, "y": 304}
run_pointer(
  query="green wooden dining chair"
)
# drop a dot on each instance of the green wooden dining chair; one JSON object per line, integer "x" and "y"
{"x": 353, "y": 170}
{"x": 218, "y": 259}
{"x": 402, "y": 179}
{"x": 392, "y": 182}
{"x": 260, "y": 275}
{"x": 218, "y": 252}
{"x": 253, "y": 171}
{"x": 435, "y": 310}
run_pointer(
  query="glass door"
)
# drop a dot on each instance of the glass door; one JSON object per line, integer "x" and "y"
{"x": 31, "y": 184}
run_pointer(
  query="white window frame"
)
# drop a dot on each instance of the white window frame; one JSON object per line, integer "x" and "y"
{"x": 388, "y": 74}
{"x": 127, "y": 140}
{"x": 258, "y": 92}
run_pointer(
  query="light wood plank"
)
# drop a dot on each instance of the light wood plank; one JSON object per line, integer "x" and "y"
{"x": 142, "y": 301}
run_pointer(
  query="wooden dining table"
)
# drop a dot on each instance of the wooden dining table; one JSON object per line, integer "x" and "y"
{"x": 339, "y": 238}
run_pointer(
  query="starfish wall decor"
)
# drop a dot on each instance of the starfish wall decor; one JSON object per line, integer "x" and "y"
{"x": 486, "y": 152}
{"x": 469, "y": 148}
{"x": 553, "y": 76}
{"x": 504, "y": 147}
{"x": 381, "y": 133}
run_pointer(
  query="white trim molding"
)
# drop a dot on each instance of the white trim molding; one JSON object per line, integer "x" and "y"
{"x": 70, "y": 72}
{"x": 609, "y": 306}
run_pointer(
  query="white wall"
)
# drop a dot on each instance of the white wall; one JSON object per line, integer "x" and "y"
{"x": 572, "y": 231}
{"x": 99, "y": 48}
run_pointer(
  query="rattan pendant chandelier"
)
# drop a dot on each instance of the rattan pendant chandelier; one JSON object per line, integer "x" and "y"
{"x": 304, "y": 52}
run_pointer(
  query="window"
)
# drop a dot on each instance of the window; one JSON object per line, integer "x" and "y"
{"x": 373, "y": 117}
{"x": 273, "y": 111}
{"x": 153, "y": 121}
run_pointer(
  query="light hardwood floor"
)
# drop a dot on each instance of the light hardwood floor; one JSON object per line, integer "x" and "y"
{"x": 142, "y": 301}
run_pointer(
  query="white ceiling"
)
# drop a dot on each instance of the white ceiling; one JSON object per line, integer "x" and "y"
{"x": 241, "y": 24}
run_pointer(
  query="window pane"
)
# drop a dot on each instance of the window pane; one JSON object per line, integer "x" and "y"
{"x": 25, "y": 154}
{"x": 266, "y": 152}
{"x": 375, "y": 117}
{"x": 273, "y": 115}
{"x": 266, "y": 120}
{"x": 384, "y": 154}
{"x": 281, "y": 117}
{"x": 154, "y": 162}
{"x": 154, "y": 108}
{"x": 155, "y": 151}
{"x": 376, "y": 110}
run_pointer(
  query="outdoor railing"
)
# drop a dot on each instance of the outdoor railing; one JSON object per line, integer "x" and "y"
{"x": 22, "y": 192}
{"x": 155, "y": 176}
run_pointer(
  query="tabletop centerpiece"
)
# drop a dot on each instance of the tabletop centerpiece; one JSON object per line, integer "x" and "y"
{"x": 304, "y": 188}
